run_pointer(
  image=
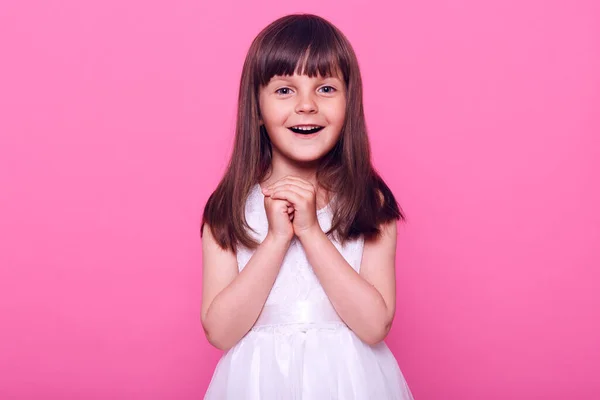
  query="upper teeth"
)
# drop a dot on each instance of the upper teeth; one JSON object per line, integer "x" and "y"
{"x": 306, "y": 128}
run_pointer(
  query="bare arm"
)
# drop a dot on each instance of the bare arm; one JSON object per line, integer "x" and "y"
{"x": 365, "y": 301}
{"x": 232, "y": 300}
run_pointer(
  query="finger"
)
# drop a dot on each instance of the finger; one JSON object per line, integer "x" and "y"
{"x": 292, "y": 181}
{"x": 300, "y": 181}
{"x": 305, "y": 197}
{"x": 287, "y": 203}
{"x": 289, "y": 195}
{"x": 307, "y": 193}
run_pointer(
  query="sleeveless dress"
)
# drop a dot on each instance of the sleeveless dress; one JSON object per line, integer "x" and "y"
{"x": 299, "y": 348}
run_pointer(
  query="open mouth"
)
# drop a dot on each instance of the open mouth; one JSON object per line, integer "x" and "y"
{"x": 306, "y": 129}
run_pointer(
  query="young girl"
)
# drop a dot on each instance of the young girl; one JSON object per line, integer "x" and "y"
{"x": 299, "y": 238}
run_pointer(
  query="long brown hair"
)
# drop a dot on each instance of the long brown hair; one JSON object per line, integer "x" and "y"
{"x": 310, "y": 45}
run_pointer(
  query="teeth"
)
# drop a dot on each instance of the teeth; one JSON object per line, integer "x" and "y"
{"x": 306, "y": 128}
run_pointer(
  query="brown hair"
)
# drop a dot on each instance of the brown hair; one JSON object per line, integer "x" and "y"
{"x": 310, "y": 45}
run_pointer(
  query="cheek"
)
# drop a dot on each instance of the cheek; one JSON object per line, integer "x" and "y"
{"x": 339, "y": 117}
{"x": 267, "y": 110}
{"x": 342, "y": 115}
{"x": 272, "y": 115}
{"x": 337, "y": 112}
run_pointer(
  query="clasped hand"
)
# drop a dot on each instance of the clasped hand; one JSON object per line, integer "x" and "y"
{"x": 294, "y": 199}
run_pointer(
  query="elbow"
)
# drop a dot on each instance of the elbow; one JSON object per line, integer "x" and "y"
{"x": 217, "y": 341}
{"x": 374, "y": 338}
{"x": 377, "y": 334}
{"x": 219, "y": 344}
{"x": 215, "y": 337}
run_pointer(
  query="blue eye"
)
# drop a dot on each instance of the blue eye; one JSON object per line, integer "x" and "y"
{"x": 330, "y": 89}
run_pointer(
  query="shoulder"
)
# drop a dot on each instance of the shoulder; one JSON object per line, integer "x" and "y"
{"x": 225, "y": 214}
{"x": 382, "y": 211}
{"x": 380, "y": 197}
{"x": 387, "y": 207}
{"x": 387, "y": 234}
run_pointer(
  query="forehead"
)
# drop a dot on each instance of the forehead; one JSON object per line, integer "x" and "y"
{"x": 302, "y": 45}
{"x": 313, "y": 62}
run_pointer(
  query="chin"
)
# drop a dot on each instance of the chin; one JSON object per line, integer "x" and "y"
{"x": 306, "y": 157}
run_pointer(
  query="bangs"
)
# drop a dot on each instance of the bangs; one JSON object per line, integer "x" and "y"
{"x": 305, "y": 46}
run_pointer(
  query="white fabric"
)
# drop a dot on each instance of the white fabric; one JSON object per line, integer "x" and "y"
{"x": 299, "y": 348}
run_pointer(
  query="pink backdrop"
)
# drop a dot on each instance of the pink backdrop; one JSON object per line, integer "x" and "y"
{"x": 116, "y": 121}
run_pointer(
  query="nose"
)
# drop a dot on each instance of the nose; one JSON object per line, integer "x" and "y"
{"x": 306, "y": 105}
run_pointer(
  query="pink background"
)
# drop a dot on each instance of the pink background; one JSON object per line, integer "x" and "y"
{"x": 116, "y": 120}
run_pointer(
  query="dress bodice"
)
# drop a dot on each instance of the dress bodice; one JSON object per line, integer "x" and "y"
{"x": 296, "y": 281}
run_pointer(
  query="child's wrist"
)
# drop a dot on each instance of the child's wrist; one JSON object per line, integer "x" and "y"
{"x": 278, "y": 240}
{"x": 309, "y": 233}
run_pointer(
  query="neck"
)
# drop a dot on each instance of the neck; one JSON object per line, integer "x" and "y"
{"x": 281, "y": 168}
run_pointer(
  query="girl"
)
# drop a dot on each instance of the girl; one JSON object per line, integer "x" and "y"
{"x": 299, "y": 238}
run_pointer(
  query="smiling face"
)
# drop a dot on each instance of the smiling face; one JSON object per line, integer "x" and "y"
{"x": 303, "y": 115}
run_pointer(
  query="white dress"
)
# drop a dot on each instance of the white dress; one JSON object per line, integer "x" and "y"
{"x": 299, "y": 348}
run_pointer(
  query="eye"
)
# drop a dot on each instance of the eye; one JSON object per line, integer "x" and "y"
{"x": 283, "y": 91}
{"x": 327, "y": 89}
